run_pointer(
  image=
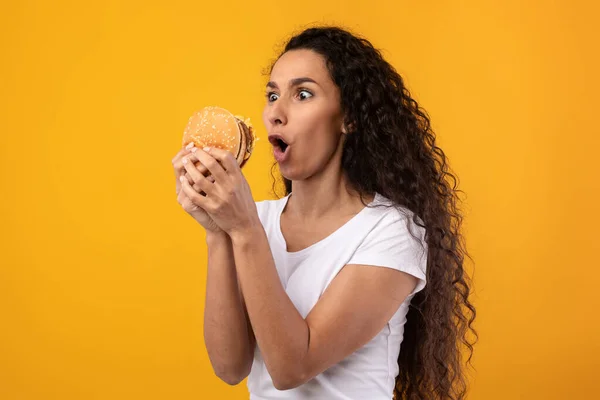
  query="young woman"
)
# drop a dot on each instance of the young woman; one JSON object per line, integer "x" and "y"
{"x": 352, "y": 285}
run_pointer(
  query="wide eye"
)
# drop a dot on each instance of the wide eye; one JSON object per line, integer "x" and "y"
{"x": 304, "y": 94}
{"x": 271, "y": 97}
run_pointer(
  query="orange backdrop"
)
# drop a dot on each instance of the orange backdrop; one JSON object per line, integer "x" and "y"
{"x": 102, "y": 274}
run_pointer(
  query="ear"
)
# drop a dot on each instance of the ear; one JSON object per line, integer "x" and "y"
{"x": 348, "y": 129}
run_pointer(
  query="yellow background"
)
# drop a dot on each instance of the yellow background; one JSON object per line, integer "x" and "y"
{"x": 102, "y": 275}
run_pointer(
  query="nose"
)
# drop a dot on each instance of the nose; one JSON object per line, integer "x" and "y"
{"x": 276, "y": 113}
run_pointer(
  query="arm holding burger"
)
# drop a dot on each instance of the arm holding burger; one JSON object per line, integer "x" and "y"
{"x": 228, "y": 335}
{"x": 281, "y": 332}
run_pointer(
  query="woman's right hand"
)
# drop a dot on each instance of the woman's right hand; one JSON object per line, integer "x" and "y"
{"x": 196, "y": 212}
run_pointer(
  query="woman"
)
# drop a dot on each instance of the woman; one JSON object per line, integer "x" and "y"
{"x": 314, "y": 294}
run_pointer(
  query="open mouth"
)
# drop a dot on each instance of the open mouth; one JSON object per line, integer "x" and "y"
{"x": 280, "y": 148}
{"x": 282, "y": 145}
{"x": 277, "y": 141}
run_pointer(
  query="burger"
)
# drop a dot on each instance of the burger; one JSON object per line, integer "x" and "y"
{"x": 216, "y": 127}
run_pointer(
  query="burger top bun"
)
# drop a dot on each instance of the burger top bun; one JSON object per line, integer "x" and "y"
{"x": 218, "y": 128}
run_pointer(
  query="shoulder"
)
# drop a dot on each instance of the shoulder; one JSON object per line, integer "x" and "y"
{"x": 394, "y": 240}
{"x": 268, "y": 207}
{"x": 396, "y": 219}
{"x": 395, "y": 232}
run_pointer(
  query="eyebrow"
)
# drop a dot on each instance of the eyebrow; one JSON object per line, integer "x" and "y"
{"x": 294, "y": 82}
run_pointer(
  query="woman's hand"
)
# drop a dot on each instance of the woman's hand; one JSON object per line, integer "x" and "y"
{"x": 196, "y": 212}
{"x": 228, "y": 199}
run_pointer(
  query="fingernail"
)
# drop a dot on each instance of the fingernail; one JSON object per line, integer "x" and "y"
{"x": 181, "y": 178}
{"x": 193, "y": 150}
{"x": 184, "y": 160}
{"x": 190, "y": 145}
{"x": 206, "y": 149}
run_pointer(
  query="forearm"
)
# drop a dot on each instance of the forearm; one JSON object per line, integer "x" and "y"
{"x": 281, "y": 333}
{"x": 225, "y": 327}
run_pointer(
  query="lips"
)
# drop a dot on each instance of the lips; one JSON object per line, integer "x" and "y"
{"x": 278, "y": 141}
{"x": 281, "y": 148}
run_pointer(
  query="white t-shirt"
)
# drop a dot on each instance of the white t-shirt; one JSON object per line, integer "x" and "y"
{"x": 375, "y": 236}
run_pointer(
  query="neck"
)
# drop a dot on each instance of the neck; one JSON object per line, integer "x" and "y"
{"x": 324, "y": 194}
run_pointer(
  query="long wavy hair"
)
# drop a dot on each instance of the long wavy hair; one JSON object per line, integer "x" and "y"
{"x": 390, "y": 149}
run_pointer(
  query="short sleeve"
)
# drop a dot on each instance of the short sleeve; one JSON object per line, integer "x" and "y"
{"x": 390, "y": 244}
{"x": 261, "y": 209}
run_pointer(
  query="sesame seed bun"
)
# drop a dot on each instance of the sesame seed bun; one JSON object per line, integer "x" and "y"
{"x": 216, "y": 127}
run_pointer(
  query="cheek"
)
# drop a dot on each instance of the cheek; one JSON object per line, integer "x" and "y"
{"x": 320, "y": 127}
{"x": 319, "y": 144}
{"x": 313, "y": 118}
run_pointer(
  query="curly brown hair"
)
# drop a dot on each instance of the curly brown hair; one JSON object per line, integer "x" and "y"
{"x": 391, "y": 149}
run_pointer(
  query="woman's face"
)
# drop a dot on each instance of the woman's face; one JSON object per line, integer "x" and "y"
{"x": 303, "y": 108}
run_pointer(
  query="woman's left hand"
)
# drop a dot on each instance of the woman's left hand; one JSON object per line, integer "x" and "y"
{"x": 228, "y": 199}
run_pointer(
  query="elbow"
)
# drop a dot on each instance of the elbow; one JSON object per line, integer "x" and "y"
{"x": 232, "y": 379}
{"x": 232, "y": 376}
{"x": 289, "y": 381}
{"x": 295, "y": 373}
{"x": 284, "y": 385}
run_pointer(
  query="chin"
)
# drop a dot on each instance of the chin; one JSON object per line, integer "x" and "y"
{"x": 302, "y": 170}
{"x": 293, "y": 174}
{"x": 289, "y": 175}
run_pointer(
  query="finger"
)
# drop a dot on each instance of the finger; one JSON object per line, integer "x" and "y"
{"x": 193, "y": 158}
{"x": 212, "y": 164}
{"x": 186, "y": 203}
{"x": 199, "y": 181}
{"x": 178, "y": 180}
{"x": 191, "y": 169}
{"x": 181, "y": 196}
{"x": 195, "y": 197}
{"x": 202, "y": 184}
{"x": 177, "y": 165}
{"x": 191, "y": 182}
{"x": 226, "y": 159}
{"x": 189, "y": 206}
{"x": 210, "y": 178}
{"x": 179, "y": 155}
